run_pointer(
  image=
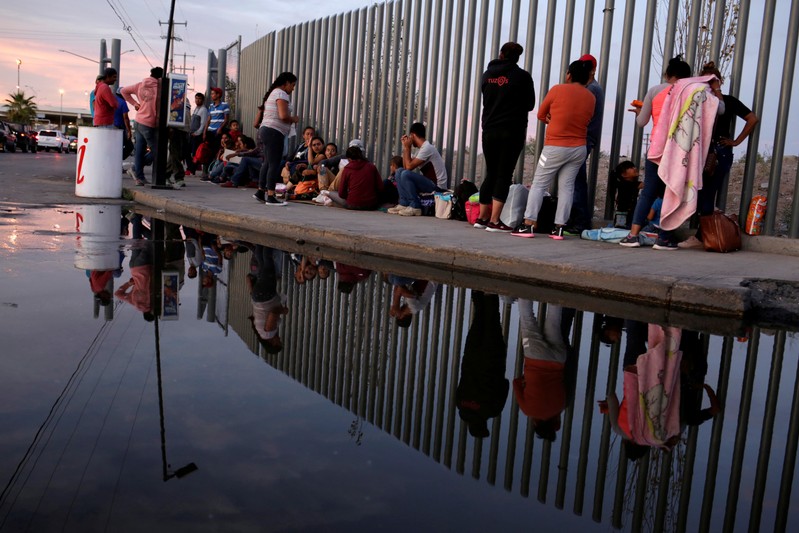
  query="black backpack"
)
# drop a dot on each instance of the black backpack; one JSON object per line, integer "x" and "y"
{"x": 459, "y": 199}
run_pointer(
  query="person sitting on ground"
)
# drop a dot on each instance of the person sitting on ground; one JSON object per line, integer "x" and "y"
{"x": 567, "y": 109}
{"x": 217, "y": 166}
{"x": 301, "y": 153}
{"x": 252, "y": 157}
{"x": 653, "y": 217}
{"x": 432, "y": 176}
{"x": 390, "y": 191}
{"x": 627, "y": 187}
{"x": 307, "y": 186}
{"x": 359, "y": 185}
{"x": 234, "y": 130}
{"x": 324, "y": 173}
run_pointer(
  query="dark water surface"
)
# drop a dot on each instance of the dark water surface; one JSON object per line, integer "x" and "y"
{"x": 187, "y": 423}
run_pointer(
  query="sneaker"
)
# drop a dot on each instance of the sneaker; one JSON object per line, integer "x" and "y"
{"x": 395, "y": 210}
{"x": 410, "y": 212}
{"x": 259, "y": 195}
{"x": 498, "y": 227}
{"x": 691, "y": 242}
{"x": 272, "y": 201}
{"x": 228, "y": 185}
{"x": 631, "y": 241}
{"x": 480, "y": 223}
{"x": 556, "y": 233}
{"x": 524, "y": 230}
{"x": 572, "y": 231}
{"x": 662, "y": 244}
{"x": 205, "y": 177}
{"x": 188, "y": 173}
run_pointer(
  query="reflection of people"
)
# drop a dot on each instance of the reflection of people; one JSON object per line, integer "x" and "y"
{"x": 410, "y": 296}
{"x": 483, "y": 389}
{"x": 137, "y": 291}
{"x": 649, "y": 413}
{"x": 541, "y": 390}
{"x": 101, "y": 282}
{"x": 268, "y": 304}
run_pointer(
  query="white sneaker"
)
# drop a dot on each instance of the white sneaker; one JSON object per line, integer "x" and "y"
{"x": 410, "y": 212}
{"x": 691, "y": 243}
{"x": 395, "y": 210}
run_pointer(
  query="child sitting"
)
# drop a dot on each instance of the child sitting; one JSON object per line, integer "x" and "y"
{"x": 390, "y": 192}
{"x": 627, "y": 187}
{"x": 653, "y": 218}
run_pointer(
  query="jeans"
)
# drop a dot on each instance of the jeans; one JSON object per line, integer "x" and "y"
{"x": 501, "y": 149}
{"x": 654, "y": 188}
{"x": 562, "y": 162}
{"x": 410, "y": 184}
{"x": 272, "y": 141}
{"x": 581, "y": 213}
{"x": 246, "y": 169}
{"x": 145, "y": 136}
{"x": 706, "y": 201}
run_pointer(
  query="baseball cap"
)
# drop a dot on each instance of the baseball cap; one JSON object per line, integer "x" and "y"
{"x": 588, "y": 57}
{"x": 356, "y": 142}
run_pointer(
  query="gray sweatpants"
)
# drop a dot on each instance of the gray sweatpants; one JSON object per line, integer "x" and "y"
{"x": 563, "y": 162}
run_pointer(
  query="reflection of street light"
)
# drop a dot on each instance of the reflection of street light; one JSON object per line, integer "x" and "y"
{"x": 19, "y": 64}
{"x": 61, "y": 114}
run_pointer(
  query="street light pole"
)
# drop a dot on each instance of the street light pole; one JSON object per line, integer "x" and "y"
{"x": 19, "y": 64}
{"x": 61, "y": 114}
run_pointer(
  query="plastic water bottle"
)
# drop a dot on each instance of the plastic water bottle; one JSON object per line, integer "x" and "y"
{"x": 322, "y": 171}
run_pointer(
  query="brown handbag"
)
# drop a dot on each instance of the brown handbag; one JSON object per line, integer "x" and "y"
{"x": 720, "y": 232}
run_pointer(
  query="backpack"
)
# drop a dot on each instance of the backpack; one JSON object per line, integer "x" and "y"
{"x": 460, "y": 198}
{"x": 203, "y": 154}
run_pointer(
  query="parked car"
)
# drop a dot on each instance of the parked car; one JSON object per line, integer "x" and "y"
{"x": 26, "y": 137}
{"x": 53, "y": 139}
{"x": 8, "y": 139}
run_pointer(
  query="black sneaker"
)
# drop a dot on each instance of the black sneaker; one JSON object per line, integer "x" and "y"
{"x": 662, "y": 244}
{"x": 259, "y": 195}
{"x": 271, "y": 200}
{"x": 556, "y": 233}
{"x": 480, "y": 223}
{"x": 524, "y": 230}
{"x": 631, "y": 241}
{"x": 498, "y": 227}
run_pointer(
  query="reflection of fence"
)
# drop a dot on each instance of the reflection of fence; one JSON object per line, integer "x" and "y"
{"x": 348, "y": 349}
{"x": 370, "y": 72}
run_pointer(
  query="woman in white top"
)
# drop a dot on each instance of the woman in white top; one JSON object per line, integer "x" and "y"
{"x": 276, "y": 124}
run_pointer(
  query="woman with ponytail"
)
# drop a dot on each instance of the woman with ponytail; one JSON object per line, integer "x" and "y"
{"x": 276, "y": 123}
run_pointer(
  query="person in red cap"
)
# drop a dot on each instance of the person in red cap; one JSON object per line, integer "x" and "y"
{"x": 581, "y": 212}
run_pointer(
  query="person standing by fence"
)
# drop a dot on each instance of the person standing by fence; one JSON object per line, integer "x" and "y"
{"x": 508, "y": 96}
{"x": 276, "y": 124}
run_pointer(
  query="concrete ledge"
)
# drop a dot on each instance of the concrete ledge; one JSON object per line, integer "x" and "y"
{"x": 679, "y": 283}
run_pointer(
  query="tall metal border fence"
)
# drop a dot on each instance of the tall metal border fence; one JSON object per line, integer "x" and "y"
{"x": 370, "y": 72}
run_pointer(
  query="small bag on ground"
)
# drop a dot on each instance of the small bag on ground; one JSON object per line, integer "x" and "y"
{"x": 443, "y": 203}
{"x": 513, "y": 212}
{"x": 460, "y": 199}
{"x": 720, "y": 232}
{"x": 428, "y": 204}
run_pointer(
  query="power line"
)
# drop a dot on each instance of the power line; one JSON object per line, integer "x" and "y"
{"x": 128, "y": 29}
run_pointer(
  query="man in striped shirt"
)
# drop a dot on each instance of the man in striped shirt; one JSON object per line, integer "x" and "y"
{"x": 218, "y": 117}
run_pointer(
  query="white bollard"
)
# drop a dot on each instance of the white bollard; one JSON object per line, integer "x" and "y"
{"x": 97, "y": 243}
{"x": 99, "y": 166}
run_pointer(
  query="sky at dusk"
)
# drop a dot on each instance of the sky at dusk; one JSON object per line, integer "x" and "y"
{"x": 36, "y": 35}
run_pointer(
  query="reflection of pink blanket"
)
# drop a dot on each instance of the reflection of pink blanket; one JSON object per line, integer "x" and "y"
{"x": 681, "y": 144}
{"x": 653, "y": 393}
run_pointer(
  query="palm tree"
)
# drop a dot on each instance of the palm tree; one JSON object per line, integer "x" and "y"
{"x": 21, "y": 109}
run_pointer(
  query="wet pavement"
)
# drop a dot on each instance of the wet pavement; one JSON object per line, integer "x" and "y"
{"x": 165, "y": 407}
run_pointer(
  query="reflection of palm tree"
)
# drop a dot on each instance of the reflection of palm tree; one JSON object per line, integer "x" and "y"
{"x": 21, "y": 109}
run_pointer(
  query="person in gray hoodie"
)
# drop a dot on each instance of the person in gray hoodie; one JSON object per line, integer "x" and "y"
{"x": 508, "y": 97}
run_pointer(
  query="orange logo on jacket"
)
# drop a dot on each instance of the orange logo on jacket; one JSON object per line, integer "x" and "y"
{"x": 502, "y": 80}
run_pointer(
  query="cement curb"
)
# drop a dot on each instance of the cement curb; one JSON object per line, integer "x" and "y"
{"x": 724, "y": 299}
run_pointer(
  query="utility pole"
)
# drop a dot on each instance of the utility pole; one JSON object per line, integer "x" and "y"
{"x": 184, "y": 69}
{"x": 174, "y": 38}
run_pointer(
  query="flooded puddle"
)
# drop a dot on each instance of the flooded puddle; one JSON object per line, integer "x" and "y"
{"x": 162, "y": 378}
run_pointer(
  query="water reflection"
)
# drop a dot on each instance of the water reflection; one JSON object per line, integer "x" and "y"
{"x": 704, "y": 436}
